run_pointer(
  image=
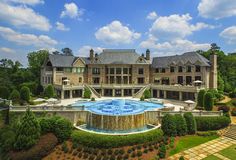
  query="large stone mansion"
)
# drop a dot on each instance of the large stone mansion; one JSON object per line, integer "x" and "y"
{"x": 123, "y": 72}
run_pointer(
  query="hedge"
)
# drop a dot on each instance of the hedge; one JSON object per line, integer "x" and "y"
{"x": 181, "y": 126}
{"x": 44, "y": 146}
{"x": 111, "y": 141}
{"x": 60, "y": 126}
{"x": 212, "y": 123}
{"x": 168, "y": 125}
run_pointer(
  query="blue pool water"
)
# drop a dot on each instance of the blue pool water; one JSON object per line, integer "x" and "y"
{"x": 117, "y": 106}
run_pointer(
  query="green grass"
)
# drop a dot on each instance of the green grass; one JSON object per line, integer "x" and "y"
{"x": 229, "y": 152}
{"x": 190, "y": 141}
{"x": 211, "y": 157}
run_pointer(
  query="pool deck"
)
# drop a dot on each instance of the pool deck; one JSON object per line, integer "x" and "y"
{"x": 66, "y": 102}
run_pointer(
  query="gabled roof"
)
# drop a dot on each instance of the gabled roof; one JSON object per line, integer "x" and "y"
{"x": 119, "y": 56}
{"x": 186, "y": 58}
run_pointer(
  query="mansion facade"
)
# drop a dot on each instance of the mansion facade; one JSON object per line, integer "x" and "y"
{"x": 123, "y": 72}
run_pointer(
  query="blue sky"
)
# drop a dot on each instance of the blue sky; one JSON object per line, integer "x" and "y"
{"x": 165, "y": 27}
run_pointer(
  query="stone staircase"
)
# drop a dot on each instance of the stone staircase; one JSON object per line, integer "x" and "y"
{"x": 140, "y": 92}
{"x": 231, "y": 133}
{"x": 95, "y": 94}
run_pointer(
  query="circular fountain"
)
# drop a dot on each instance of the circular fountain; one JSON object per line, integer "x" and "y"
{"x": 117, "y": 115}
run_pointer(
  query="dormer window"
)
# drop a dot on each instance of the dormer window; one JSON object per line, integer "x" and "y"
{"x": 172, "y": 69}
{"x": 197, "y": 68}
{"x": 180, "y": 69}
{"x": 189, "y": 69}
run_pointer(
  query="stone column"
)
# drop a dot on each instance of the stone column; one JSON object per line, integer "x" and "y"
{"x": 113, "y": 92}
{"x": 158, "y": 94}
{"x": 122, "y": 92}
{"x": 71, "y": 94}
{"x": 62, "y": 94}
{"x": 102, "y": 92}
{"x": 180, "y": 96}
{"x": 164, "y": 94}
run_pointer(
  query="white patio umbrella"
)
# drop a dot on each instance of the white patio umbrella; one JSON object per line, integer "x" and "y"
{"x": 66, "y": 80}
{"x": 197, "y": 81}
{"x": 189, "y": 102}
{"x": 39, "y": 100}
{"x": 168, "y": 105}
{"x": 51, "y": 100}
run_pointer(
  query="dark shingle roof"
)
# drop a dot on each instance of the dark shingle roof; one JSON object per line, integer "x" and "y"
{"x": 188, "y": 57}
{"x": 118, "y": 56}
{"x": 61, "y": 60}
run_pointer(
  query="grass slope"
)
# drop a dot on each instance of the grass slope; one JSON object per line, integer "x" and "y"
{"x": 190, "y": 141}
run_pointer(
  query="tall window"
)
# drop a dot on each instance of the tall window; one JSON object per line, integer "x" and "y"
{"x": 198, "y": 68}
{"x": 180, "y": 69}
{"x": 125, "y": 70}
{"x": 96, "y": 70}
{"x": 140, "y": 71}
{"x": 112, "y": 70}
{"x": 140, "y": 80}
{"x": 118, "y": 70}
{"x": 172, "y": 69}
{"x": 96, "y": 80}
{"x": 163, "y": 70}
{"x": 157, "y": 70}
{"x": 189, "y": 69}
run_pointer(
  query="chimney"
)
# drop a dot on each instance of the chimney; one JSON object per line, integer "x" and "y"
{"x": 148, "y": 54}
{"x": 91, "y": 56}
{"x": 213, "y": 71}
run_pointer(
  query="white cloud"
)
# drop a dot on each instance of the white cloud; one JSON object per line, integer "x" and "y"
{"x": 72, "y": 11}
{"x": 7, "y": 50}
{"x": 116, "y": 33}
{"x": 27, "y": 2}
{"x": 26, "y": 39}
{"x": 229, "y": 34}
{"x": 217, "y": 8}
{"x": 61, "y": 27}
{"x": 23, "y": 16}
{"x": 152, "y": 15}
{"x": 175, "y": 27}
{"x": 174, "y": 47}
{"x": 84, "y": 50}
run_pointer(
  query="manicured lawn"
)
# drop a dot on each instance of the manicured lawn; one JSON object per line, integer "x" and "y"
{"x": 211, "y": 157}
{"x": 229, "y": 152}
{"x": 187, "y": 142}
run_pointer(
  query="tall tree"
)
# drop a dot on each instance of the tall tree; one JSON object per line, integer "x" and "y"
{"x": 36, "y": 60}
{"x": 67, "y": 51}
{"x": 28, "y": 131}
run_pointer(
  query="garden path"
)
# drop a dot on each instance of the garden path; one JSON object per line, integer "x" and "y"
{"x": 202, "y": 151}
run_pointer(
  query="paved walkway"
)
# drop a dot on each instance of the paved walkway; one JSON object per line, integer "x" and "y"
{"x": 205, "y": 149}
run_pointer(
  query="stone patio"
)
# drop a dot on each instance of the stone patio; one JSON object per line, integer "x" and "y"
{"x": 206, "y": 149}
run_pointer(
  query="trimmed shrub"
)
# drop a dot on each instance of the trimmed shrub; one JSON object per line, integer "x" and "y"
{"x": 233, "y": 94}
{"x": 233, "y": 102}
{"x": 44, "y": 146}
{"x": 92, "y": 99}
{"x": 181, "y": 126}
{"x": 7, "y": 140}
{"x": 49, "y": 91}
{"x": 168, "y": 125}
{"x": 233, "y": 112}
{"x": 162, "y": 151}
{"x": 109, "y": 141}
{"x": 142, "y": 98}
{"x": 15, "y": 96}
{"x": 208, "y": 101}
{"x": 28, "y": 132}
{"x": 25, "y": 94}
{"x": 60, "y": 126}
{"x": 4, "y": 92}
{"x": 147, "y": 94}
{"x": 181, "y": 158}
{"x": 212, "y": 123}
{"x": 225, "y": 109}
{"x": 200, "y": 97}
{"x": 191, "y": 123}
{"x": 87, "y": 93}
